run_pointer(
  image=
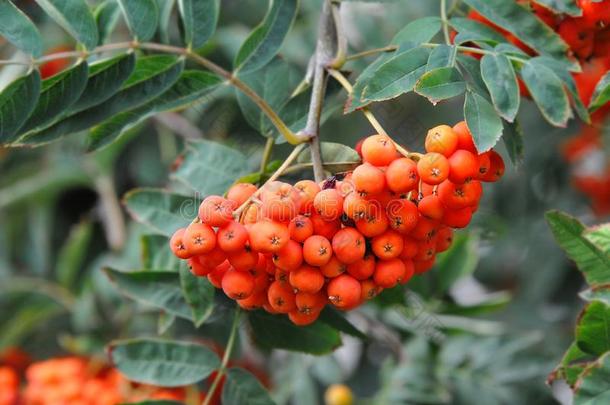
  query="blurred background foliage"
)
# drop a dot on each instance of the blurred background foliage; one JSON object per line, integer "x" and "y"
{"x": 486, "y": 326}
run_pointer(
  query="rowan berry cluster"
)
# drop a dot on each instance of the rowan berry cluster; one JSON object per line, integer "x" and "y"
{"x": 293, "y": 249}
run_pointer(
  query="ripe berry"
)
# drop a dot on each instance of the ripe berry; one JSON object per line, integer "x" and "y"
{"x": 465, "y": 140}
{"x": 496, "y": 170}
{"x": 378, "y": 150}
{"x": 354, "y": 206}
{"x": 410, "y": 248}
{"x": 444, "y": 239}
{"x": 421, "y": 267}
{"x": 197, "y": 269}
{"x": 308, "y": 302}
{"x": 369, "y": 289}
{"x": 325, "y": 228}
{"x": 338, "y": 394}
{"x": 456, "y": 196}
{"x": 240, "y": 192}
{"x": 387, "y": 245}
{"x": 300, "y": 228}
{"x": 254, "y": 301}
{"x": 307, "y": 190}
{"x": 431, "y": 207}
{"x": 484, "y": 164}
{"x": 281, "y": 202}
{"x": 212, "y": 258}
{"x": 232, "y": 237}
{"x": 463, "y": 165}
{"x": 368, "y": 179}
{"x": 199, "y": 238}
{"x": 306, "y": 279}
{"x": 215, "y": 276}
{"x": 237, "y": 285}
{"x": 243, "y": 259}
{"x": 216, "y": 211}
{"x": 388, "y": 273}
{"x": 363, "y": 268}
{"x": 402, "y": 215}
{"x": 433, "y": 168}
{"x": 177, "y": 245}
{"x": 426, "y": 250}
{"x": 268, "y": 236}
{"x": 333, "y": 268}
{"x": 441, "y": 139}
{"x": 595, "y": 14}
{"x": 457, "y": 218}
{"x": 348, "y": 245}
{"x": 344, "y": 291}
{"x": 281, "y": 298}
{"x": 401, "y": 175}
{"x": 409, "y": 271}
{"x": 425, "y": 229}
{"x": 317, "y": 250}
{"x": 579, "y": 37}
{"x": 303, "y": 319}
{"x": 373, "y": 225}
{"x": 290, "y": 257}
{"x": 328, "y": 204}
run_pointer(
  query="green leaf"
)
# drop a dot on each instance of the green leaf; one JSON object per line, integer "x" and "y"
{"x": 162, "y": 211}
{"x": 163, "y": 363}
{"x": 592, "y": 262}
{"x": 332, "y": 152}
{"x": 441, "y": 56}
{"x": 593, "y": 329}
{"x": 483, "y": 121}
{"x": 241, "y": 387}
{"x": 598, "y": 293}
{"x": 600, "y": 236}
{"x": 532, "y": 31}
{"x": 58, "y": 94}
{"x": 418, "y": 31}
{"x": 210, "y": 167}
{"x": 472, "y": 68}
{"x": 191, "y": 87}
{"x": 459, "y": 261}
{"x": 569, "y": 7}
{"x": 265, "y": 40}
{"x": 17, "y": 101}
{"x": 470, "y": 30}
{"x": 75, "y": 17}
{"x": 199, "y": 18}
{"x": 277, "y": 332}
{"x": 71, "y": 257}
{"x": 571, "y": 366}
{"x": 25, "y": 320}
{"x": 142, "y": 17}
{"x": 397, "y": 76}
{"x": 501, "y": 81}
{"x": 601, "y": 95}
{"x": 164, "y": 322}
{"x": 593, "y": 386}
{"x": 548, "y": 92}
{"x": 513, "y": 141}
{"x": 156, "y": 253}
{"x": 153, "y": 75}
{"x": 199, "y": 294}
{"x": 18, "y": 29}
{"x": 158, "y": 289}
{"x": 166, "y": 8}
{"x": 334, "y": 318}
{"x": 440, "y": 84}
{"x": 106, "y": 17}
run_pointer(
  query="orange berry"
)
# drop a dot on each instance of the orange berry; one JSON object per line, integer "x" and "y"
{"x": 368, "y": 179}
{"x": 268, "y": 236}
{"x": 325, "y": 228}
{"x": 421, "y": 267}
{"x": 240, "y": 193}
{"x": 409, "y": 271}
{"x": 281, "y": 275}
{"x": 199, "y": 238}
{"x": 308, "y": 302}
{"x": 354, "y": 206}
{"x": 306, "y": 279}
{"x": 254, "y": 301}
{"x": 388, "y": 273}
{"x": 317, "y": 250}
{"x": 348, "y": 245}
{"x": 243, "y": 259}
{"x": 212, "y": 258}
{"x": 410, "y": 248}
{"x": 441, "y": 139}
{"x": 483, "y": 164}
{"x": 401, "y": 175}
{"x": 402, "y": 215}
{"x": 281, "y": 201}
{"x": 303, "y": 319}
{"x": 595, "y": 14}
{"x": 216, "y": 210}
{"x": 237, "y": 285}
{"x": 307, "y": 190}
{"x": 465, "y": 140}
{"x": 456, "y": 196}
{"x": 262, "y": 279}
{"x": 300, "y": 228}
{"x": 457, "y": 218}
{"x": 581, "y": 39}
{"x": 344, "y": 291}
{"x": 378, "y": 150}
{"x": 333, "y": 268}
{"x": 425, "y": 229}
{"x": 369, "y": 289}
{"x": 444, "y": 239}
{"x": 463, "y": 165}
{"x": 232, "y": 236}
{"x": 215, "y": 276}
{"x": 387, "y": 245}
{"x": 290, "y": 257}
{"x": 177, "y": 245}
{"x": 197, "y": 269}
{"x": 426, "y": 250}
{"x": 431, "y": 207}
{"x": 328, "y": 204}
{"x": 363, "y": 268}
{"x": 433, "y": 168}
{"x": 281, "y": 298}
{"x": 496, "y": 170}
{"x": 373, "y": 225}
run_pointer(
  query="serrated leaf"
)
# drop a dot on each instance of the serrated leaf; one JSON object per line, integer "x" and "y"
{"x": 163, "y": 363}
{"x": 199, "y": 294}
{"x": 190, "y": 87}
{"x": 571, "y": 366}
{"x": 548, "y": 92}
{"x": 265, "y": 40}
{"x": 501, "y": 81}
{"x": 513, "y": 141}
{"x": 75, "y": 17}
{"x": 106, "y": 17}
{"x": 331, "y": 152}
{"x": 471, "y": 30}
{"x": 152, "y": 76}
{"x": 156, "y": 253}
{"x": 593, "y": 329}
{"x": 199, "y": 18}
{"x": 514, "y": 18}
{"x": 457, "y": 262}
{"x": 17, "y": 101}
{"x": 569, "y": 7}
{"x": 142, "y": 17}
{"x": 58, "y": 94}
{"x": 157, "y": 289}
{"x": 592, "y": 262}
{"x": 601, "y": 95}
{"x": 483, "y": 121}
{"x": 593, "y": 386}
{"x": 210, "y": 167}
{"x": 241, "y": 387}
{"x": 277, "y": 332}
{"x": 396, "y": 76}
{"x": 18, "y": 29}
{"x": 440, "y": 84}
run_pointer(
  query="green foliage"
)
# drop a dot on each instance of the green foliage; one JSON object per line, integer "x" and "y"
{"x": 499, "y": 77}
{"x": 601, "y": 96}
{"x": 483, "y": 121}
{"x": 162, "y": 211}
{"x": 18, "y": 29}
{"x": 142, "y": 17}
{"x": 75, "y": 17}
{"x": 241, "y": 387}
{"x": 199, "y": 18}
{"x": 17, "y": 102}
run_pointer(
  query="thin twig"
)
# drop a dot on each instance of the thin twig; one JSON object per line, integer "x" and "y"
{"x": 266, "y": 154}
{"x": 445, "y": 22}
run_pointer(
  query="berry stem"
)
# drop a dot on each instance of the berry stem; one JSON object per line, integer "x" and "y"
{"x": 225, "y": 358}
